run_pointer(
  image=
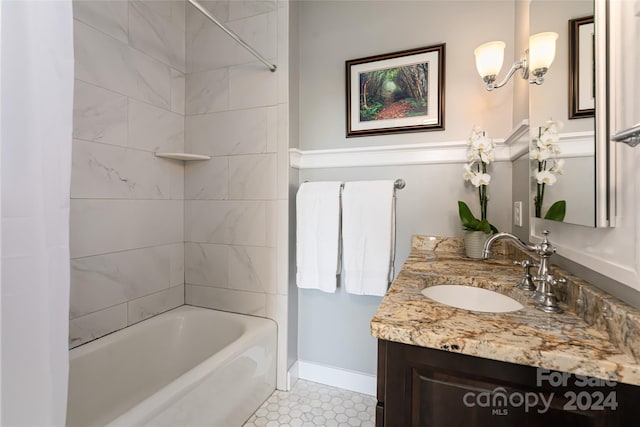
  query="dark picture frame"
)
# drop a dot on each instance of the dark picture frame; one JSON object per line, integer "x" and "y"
{"x": 581, "y": 68}
{"x": 396, "y": 92}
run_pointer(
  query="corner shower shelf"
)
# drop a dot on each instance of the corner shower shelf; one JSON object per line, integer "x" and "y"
{"x": 183, "y": 156}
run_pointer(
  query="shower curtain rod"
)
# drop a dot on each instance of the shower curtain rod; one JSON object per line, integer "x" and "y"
{"x": 233, "y": 35}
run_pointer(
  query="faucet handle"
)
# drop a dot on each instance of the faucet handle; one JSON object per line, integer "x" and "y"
{"x": 525, "y": 263}
{"x": 553, "y": 281}
{"x": 526, "y": 283}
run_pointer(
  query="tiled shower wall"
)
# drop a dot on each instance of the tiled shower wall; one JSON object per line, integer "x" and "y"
{"x": 137, "y": 221}
{"x": 236, "y": 204}
{"x": 127, "y": 241}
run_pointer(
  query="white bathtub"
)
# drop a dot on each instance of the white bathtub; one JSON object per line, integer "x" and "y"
{"x": 187, "y": 367}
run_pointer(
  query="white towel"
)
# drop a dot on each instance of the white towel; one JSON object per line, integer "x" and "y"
{"x": 318, "y": 235}
{"x": 367, "y": 236}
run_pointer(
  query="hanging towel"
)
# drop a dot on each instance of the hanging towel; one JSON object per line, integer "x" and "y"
{"x": 367, "y": 236}
{"x": 318, "y": 235}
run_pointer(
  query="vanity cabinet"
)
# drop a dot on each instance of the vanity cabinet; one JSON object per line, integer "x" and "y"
{"x": 426, "y": 387}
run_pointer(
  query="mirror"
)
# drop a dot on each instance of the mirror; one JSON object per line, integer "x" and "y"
{"x": 564, "y": 177}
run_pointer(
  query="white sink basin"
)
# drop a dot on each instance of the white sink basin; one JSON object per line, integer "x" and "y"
{"x": 470, "y": 298}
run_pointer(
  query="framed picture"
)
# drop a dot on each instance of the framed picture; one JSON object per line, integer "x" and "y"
{"x": 582, "y": 87}
{"x": 396, "y": 93}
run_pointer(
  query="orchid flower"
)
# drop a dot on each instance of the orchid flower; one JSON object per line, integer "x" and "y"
{"x": 480, "y": 155}
{"x": 546, "y": 177}
{"x": 558, "y": 167}
{"x": 487, "y": 157}
{"x": 481, "y": 179}
{"x": 540, "y": 155}
{"x": 468, "y": 173}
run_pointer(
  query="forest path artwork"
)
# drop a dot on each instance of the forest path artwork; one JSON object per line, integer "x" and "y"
{"x": 394, "y": 92}
{"x": 394, "y": 110}
{"x": 398, "y": 92}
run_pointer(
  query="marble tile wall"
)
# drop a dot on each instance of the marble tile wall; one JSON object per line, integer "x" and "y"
{"x": 127, "y": 207}
{"x": 236, "y": 205}
{"x": 148, "y": 233}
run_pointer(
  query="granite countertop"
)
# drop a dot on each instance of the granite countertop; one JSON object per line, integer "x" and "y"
{"x": 597, "y": 335}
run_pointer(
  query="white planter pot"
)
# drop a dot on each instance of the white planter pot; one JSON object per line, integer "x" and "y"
{"x": 474, "y": 243}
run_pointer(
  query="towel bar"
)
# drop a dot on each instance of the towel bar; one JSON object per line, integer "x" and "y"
{"x": 398, "y": 184}
{"x": 630, "y": 136}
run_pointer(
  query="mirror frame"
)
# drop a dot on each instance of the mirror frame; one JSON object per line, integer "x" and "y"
{"x": 605, "y": 150}
{"x": 575, "y": 56}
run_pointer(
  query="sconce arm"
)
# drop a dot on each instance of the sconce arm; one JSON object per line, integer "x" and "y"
{"x": 523, "y": 65}
{"x": 515, "y": 67}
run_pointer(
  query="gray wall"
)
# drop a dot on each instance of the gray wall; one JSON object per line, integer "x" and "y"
{"x": 551, "y": 100}
{"x": 126, "y": 208}
{"x": 520, "y": 179}
{"x": 294, "y": 177}
{"x": 333, "y": 32}
{"x": 521, "y": 186}
{"x": 334, "y": 328}
{"x": 521, "y": 43}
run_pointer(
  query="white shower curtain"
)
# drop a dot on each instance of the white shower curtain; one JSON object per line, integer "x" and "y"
{"x": 36, "y": 126}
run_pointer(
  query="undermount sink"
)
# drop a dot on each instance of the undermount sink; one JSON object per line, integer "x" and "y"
{"x": 471, "y": 298}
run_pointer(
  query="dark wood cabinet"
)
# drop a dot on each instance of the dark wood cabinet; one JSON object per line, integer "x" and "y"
{"x": 427, "y": 387}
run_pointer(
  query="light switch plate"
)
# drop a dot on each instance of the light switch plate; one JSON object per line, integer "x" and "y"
{"x": 517, "y": 214}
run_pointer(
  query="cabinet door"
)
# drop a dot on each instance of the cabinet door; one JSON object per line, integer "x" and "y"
{"x": 459, "y": 399}
{"x": 427, "y": 387}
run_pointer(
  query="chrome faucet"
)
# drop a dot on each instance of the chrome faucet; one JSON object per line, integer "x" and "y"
{"x": 544, "y": 279}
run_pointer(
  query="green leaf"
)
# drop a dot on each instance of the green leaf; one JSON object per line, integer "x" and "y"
{"x": 469, "y": 222}
{"x": 557, "y": 211}
{"x": 485, "y": 226}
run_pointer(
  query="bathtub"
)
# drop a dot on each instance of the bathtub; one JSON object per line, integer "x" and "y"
{"x": 187, "y": 367}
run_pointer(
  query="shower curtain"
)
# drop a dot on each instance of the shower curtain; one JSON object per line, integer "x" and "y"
{"x": 36, "y": 83}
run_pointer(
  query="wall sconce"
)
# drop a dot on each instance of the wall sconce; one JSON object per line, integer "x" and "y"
{"x": 535, "y": 61}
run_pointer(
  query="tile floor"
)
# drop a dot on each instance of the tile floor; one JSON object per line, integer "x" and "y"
{"x": 310, "y": 404}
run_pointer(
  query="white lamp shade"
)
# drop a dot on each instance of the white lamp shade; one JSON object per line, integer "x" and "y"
{"x": 542, "y": 50}
{"x": 489, "y": 58}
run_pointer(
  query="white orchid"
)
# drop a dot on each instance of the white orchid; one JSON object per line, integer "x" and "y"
{"x": 480, "y": 155}
{"x": 547, "y": 138}
{"x": 482, "y": 144}
{"x": 476, "y": 132}
{"x": 468, "y": 173}
{"x": 477, "y": 178}
{"x": 546, "y": 177}
{"x": 480, "y": 147}
{"x": 544, "y": 149}
{"x": 481, "y": 179}
{"x": 487, "y": 157}
{"x": 540, "y": 155}
{"x": 472, "y": 156}
{"x": 554, "y": 126}
{"x": 558, "y": 167}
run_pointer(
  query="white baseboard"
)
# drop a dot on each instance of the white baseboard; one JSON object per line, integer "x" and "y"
{"x": 293, "y": 374}
{"x": 335, "y": 377}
